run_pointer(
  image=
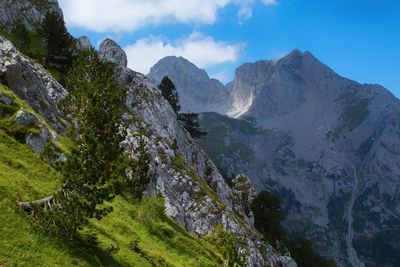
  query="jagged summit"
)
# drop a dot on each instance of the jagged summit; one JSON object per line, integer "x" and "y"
{"x": 83, "y": 43}
{"x": 197, "y": 91}
{"x": 112, "y": 52}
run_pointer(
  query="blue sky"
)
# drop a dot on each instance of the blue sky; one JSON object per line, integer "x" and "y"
{"x": 359, "y": 39}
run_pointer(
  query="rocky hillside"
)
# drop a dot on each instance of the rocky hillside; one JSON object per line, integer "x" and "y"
{"x": 193, "y": 191}
{"x": 327, "y": 145}
{"x": 29, "y": 13}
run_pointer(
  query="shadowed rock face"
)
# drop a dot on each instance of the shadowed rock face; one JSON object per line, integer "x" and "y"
{"x": 29, "y": 13}
{"x": 197, "y": 91}
{"x": 329, "y": 146}
{"x": 31, "y": 83}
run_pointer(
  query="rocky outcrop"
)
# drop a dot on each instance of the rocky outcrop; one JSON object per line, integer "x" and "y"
{"x": 197, "y": 92}
{"x": 110, "y": 51}
{"x": 195, "y": 193}
{"x": 32, "y": 83}
{"x": 83, "y": 43}
{"x": 5, "y": 99}
{"x": 28, "y": 12}
{"x": 24, "y": 118}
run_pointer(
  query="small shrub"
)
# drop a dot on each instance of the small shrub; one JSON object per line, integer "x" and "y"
{"x": 150, "y": 210}
{"x": 227, "y": 246}
{"x": 179, "y": 163}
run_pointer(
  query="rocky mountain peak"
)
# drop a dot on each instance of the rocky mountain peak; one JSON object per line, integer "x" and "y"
{"x": 197, "y": 91}
{"x": 112, "y": 52}
{"x": 177, "y": 63}
{"x": 83, "y": 43}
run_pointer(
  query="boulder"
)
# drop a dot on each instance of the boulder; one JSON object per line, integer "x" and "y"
{"x": 5, "y": 99}
{"x": 25, "y": 118}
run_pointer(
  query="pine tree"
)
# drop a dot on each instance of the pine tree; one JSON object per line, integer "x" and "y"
{"x": 21, "y": 38}
{"x": 139, "y": 175}
{"x": 169, "y": 92}
{"x": 58, "y": 43}
{"x": 92, "y": 170}
{"x": 190, "y": 121}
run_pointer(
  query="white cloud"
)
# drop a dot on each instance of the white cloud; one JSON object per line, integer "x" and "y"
{"x": 131, "y": 15}
{"x": 202, "y": 50}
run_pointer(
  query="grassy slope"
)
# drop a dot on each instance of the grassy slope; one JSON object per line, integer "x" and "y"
{"x": 123, "y": 241}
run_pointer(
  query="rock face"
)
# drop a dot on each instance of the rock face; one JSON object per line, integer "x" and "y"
{"x": 327, "y": 145}
{"x": 25, "y": 119}
{"x": 5, "y": 100}
{"x": 194, "y": 191}
{"x": 28, "y": 12}
{"x": 112, "y": 52}
{"x": 31, "y": 83}
{"x": 197, "y": 92}
{"x": 83, "y": 43}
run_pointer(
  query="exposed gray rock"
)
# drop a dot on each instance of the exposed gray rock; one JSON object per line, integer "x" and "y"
{"x": 327, "y": 145}
{"x": 29, "y": 13}
{"x": 110, "y": 51}
{"x": 25, "y": 118}
{"x": 5, "y": 99}
{"x": 186, "y": 190}
{"x": 83, "y": 43}
{"x": 197, "y": 92}
{"x": 38, "y": 141}
{"x": 32, "y": 83}
{"x": 195, "y": 194}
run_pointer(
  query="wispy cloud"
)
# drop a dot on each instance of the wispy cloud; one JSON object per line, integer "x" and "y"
{"x": 202, "y": 50}
{"x": 131, "y": 15}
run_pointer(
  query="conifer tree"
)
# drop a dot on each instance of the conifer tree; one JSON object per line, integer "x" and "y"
{"x": 190, "y": 121}
{"x": 58, "y": 43}
{"x": 93, "y": 168}
{"x": 21, "y": 38}
{"x": 139, "y": 175}
{"x": 169, "y": 92}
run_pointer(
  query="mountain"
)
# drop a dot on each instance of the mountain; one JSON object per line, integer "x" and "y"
{"x": 328, "y": 146}
{"x": 197, "y": 91}
{"x": 189, "y": 216}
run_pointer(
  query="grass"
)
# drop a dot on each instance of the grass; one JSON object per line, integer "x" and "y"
{"x": 123, "y": 238}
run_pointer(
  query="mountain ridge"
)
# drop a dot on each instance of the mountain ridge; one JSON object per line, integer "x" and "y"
{"x": 326, "y": 144}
